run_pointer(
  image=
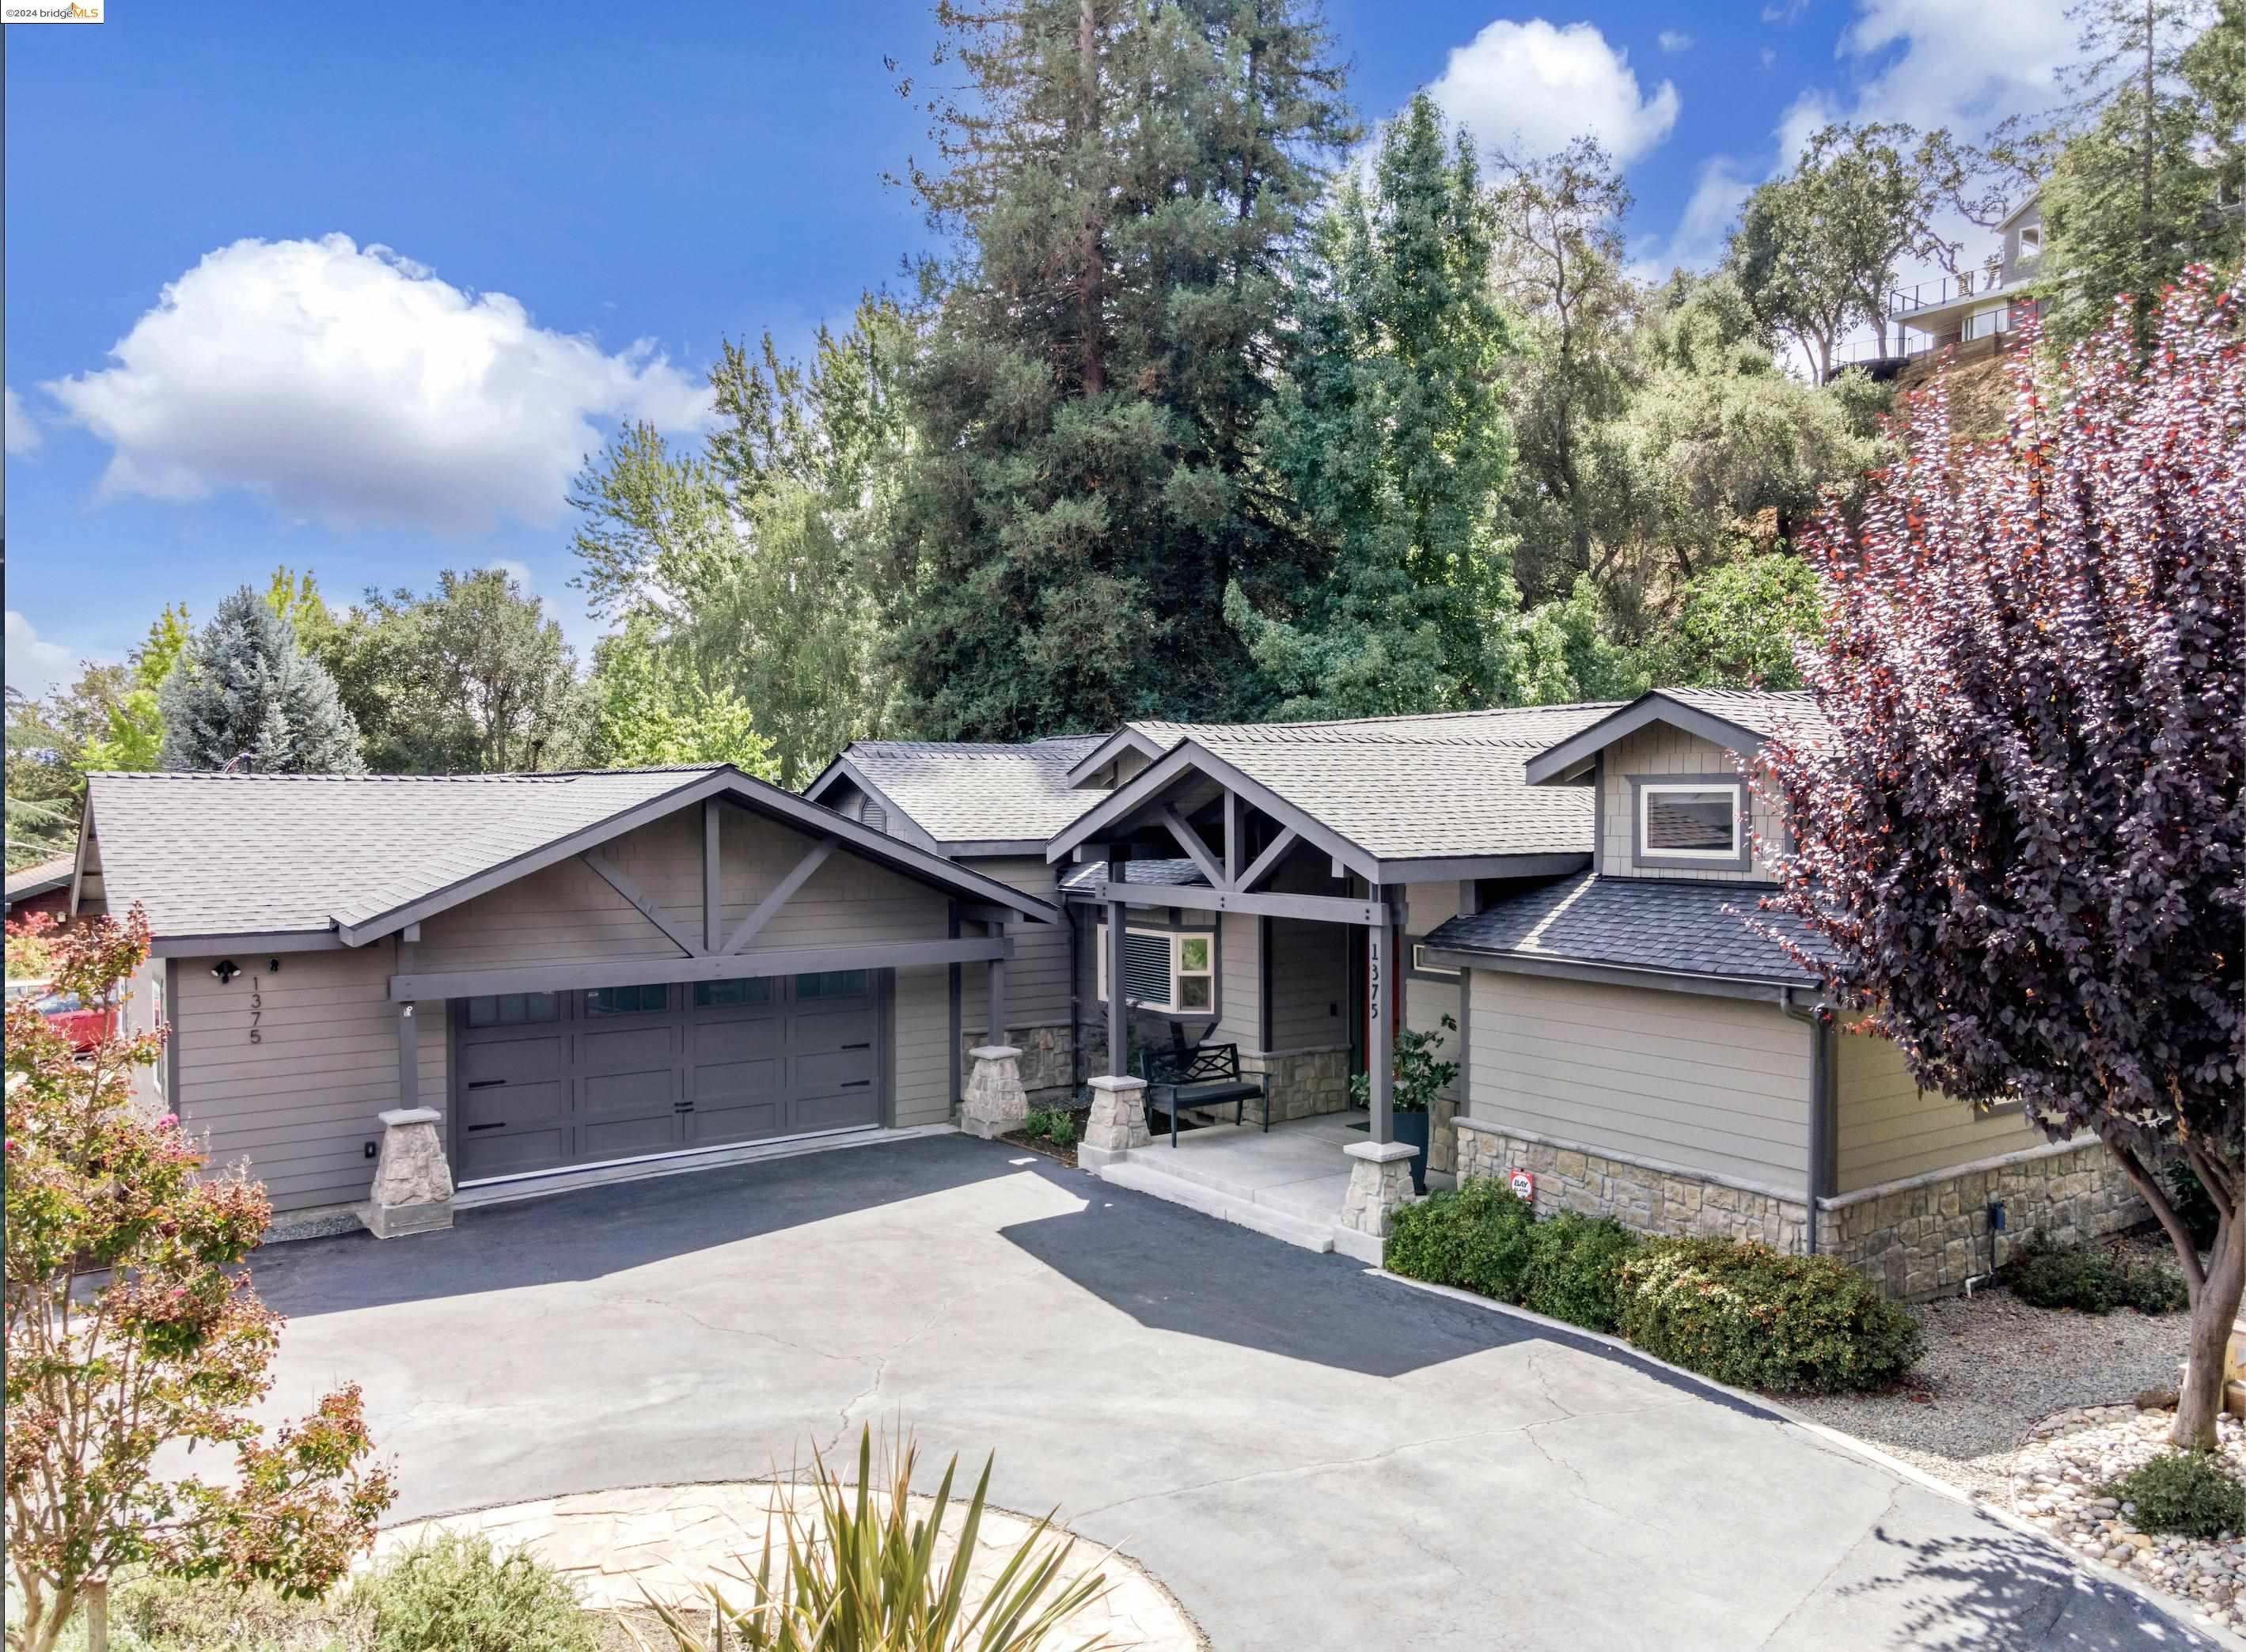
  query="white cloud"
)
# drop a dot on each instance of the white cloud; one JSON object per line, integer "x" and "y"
{"x": 1673, "y": 40}
{"x": 34, "y": 665}
{"x": 1932, "y": 63}
{"x": 352, "y": 386}
{"x": 1710, "y": 211}
{"x": 23, "y": 436}
{"x": 1530, "y": 88}
{"x": 516, "y": 569}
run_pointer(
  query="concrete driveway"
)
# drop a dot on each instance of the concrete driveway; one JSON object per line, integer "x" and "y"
{"x": 1309, "y": 1457}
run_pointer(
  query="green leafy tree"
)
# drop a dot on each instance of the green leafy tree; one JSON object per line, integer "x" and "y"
{"x": 753, "y": 564}
{"x": 473, "y": 678}
{"x": 132, "y": 1331}
{"x": 1736, "y": 626}
{"x": 650, "y": 711}
{"x": 134, "y": 737}
{"x": 1558, "y": 265}
{"x": 2146, "y": 179}
{"x": 1392, "y": 434}
{"x": 43, "y": 788}
{"x": 1127, "y": 187}
{"x": 243, "y": 693}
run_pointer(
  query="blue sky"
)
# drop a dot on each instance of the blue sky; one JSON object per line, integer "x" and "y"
{"x": 420, "y": 259}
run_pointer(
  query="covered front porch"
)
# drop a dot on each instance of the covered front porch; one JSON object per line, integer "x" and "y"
{"x": 1291, "y": 1181}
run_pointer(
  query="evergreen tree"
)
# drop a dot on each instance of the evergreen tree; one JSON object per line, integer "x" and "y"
{"x": 1392, "y": 436}
{"x": 244, "y": 692}
{"x": 2150, "y": 182}
{"x": 1127, "y": 184}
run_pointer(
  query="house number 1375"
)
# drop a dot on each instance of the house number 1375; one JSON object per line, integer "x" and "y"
{"x": 256, "y": 1009}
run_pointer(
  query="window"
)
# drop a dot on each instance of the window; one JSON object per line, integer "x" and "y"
{"x": 513, "y": 1010}
{"x": 1169, "y": 971}
{"x": 1689, "y": 820}
{"x": 1420, "y": 965}
{"x": 832, "y": 983}
{"x": 628, "y": 1001}
{"x": 2031, "y": 241}
{"x": 741, "y": 989}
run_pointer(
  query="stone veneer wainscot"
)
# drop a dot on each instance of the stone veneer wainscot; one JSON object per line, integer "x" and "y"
{"x": 1920, "y": 1237}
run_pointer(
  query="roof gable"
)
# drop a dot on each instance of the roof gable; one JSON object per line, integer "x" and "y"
{"x": 970, "y": 793}
{"x": 360, "y": 856}
{"x": 1737, "y": 719}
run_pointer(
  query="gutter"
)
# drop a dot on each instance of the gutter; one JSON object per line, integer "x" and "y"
{"x": 1822, "y": 1111}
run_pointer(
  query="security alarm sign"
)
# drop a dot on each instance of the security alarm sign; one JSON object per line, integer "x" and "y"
{"x": 1524, "y": 1187}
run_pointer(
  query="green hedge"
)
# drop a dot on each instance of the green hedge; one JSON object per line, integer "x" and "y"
{"x": 1747, "y": 1314}
{"x": 1734, "y": 1310}
{"x": 2091, "y": 1279}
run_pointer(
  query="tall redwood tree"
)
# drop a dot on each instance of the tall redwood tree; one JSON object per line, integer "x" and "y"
{"x": 2022, "y": 836}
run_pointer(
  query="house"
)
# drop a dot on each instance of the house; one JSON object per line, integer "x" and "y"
{"x": 44, "y": 887}
{"x": 599, "y": 975}
{"x": 580, "y": 972}
{"x": 1975, "y": 308}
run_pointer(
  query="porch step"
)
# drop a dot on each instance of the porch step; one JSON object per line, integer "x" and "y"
{"x": 1219, "y": 1202}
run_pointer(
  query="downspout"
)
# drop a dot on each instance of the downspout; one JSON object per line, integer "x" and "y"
{"x": 1076, "y": 1073}
{"x": 1818, "y": 1019}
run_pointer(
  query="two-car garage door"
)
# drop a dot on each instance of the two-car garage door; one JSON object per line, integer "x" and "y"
{"x": 545, "y": 1080}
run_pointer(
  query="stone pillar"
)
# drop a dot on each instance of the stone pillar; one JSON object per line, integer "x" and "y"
{"x": 1117, "y": 1122}
{"x": 412, "y": 1184}
{"x": 995, "y": 1101}
{"x": 1380, "y": 1183}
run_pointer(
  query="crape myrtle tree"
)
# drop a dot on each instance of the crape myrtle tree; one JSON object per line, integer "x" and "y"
{"x": 133, "y": 1329}
{"x": 2024, "y": 839}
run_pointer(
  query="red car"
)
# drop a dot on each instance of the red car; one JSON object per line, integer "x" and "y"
{"x": 85, "y": 1028}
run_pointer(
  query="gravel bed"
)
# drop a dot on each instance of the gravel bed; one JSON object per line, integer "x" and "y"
{"x": 1993, "y": 1368}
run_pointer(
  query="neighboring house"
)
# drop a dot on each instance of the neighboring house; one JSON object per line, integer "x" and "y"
{"x": 579, "y": 970}
{"x": 44, "y": 887}
{"x": 1977, "y": 307}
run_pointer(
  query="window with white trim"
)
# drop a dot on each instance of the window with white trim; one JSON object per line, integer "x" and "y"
{"x": 1171, "y": 972}
{"x": 1420, "y": 965}
{"x": 1689, "y": 820}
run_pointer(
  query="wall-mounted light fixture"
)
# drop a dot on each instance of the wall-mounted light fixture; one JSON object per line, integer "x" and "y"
{"x": 273, "y": 965}
{"x": 226, "y": 970}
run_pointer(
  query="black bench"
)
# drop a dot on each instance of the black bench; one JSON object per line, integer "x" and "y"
{"x": 1203, "y": 1076}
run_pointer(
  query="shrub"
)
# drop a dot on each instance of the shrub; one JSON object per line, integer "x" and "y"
{"x": 1574, "y": 1264}
{"x": 2189, "y": 1492}
{"x": 153, "y": 1612}
{"x": 2091, "y": 1279}
{"x": 1478, "y": 1239}
{"x": 1746, "y": 1315}
{"x": 459, "y": 1593}
{"x": 859, "y": 1573}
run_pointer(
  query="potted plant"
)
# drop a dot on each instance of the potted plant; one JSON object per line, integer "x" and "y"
{"x": 1416, "y": 1078}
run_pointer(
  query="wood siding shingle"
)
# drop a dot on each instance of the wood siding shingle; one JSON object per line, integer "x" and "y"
{"x": 1659, "y": 749}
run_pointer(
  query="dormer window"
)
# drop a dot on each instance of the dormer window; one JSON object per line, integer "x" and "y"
{"x": 2031, "y": 241}
{"x": 1690, "y": 823}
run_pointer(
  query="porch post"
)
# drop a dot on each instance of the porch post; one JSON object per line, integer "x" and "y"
{"x": 997, "y": 994}
{"x": 1381, "y": 1037}
{"x": 712, "y": 916}
{"x": 1119, "y": 1031}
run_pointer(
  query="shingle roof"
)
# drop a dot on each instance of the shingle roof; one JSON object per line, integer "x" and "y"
{"x": 964, "y": 792}
{"x": 1641, "y": 923}
{"x": 1171, "y": 872}
{"x": 1413, "y": 788}
{"x": 235, "y": 854}
{"x": 37, "y": 879}
{"x": 1757, "y": 710}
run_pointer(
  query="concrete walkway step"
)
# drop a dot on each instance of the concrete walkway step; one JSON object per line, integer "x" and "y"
{"x": 1140, "y": 1177}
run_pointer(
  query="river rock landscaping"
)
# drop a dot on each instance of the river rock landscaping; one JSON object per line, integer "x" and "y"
{"x": 2063, "y": 1481}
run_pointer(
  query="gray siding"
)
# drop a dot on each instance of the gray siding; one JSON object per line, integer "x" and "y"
{"x": 1037, "y": 983}
{"x": 299, "y": 1105}
{"x": 1310, "y": 984}
{"x": 922, "y": 1018}
{"x": 1240, "y": 982}
{"x": 1659, "y": 749}
{"x": 1890, "y": 1130}
{"x": 1713, "y": 1084}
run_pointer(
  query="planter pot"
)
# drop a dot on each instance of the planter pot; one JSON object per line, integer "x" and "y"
{"x": 1411, "y": 1127}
